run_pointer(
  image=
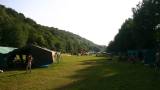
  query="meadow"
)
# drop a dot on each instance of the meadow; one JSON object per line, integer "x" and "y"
{"x": 83, "y": 73}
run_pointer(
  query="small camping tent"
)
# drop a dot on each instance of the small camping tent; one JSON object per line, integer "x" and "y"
{"x": 148, "y": 55}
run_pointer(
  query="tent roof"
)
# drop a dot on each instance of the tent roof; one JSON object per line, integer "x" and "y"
{"x": 43, "y": 48}
{"x": 5, "y": 50}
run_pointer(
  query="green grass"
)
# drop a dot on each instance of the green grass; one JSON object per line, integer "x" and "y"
{"x": 83, "y": 73}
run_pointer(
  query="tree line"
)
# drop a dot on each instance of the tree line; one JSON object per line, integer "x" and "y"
{"x": 140, "y": 32}
{"x": 16, "y": 30}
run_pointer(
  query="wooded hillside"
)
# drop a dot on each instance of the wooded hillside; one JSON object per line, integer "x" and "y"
{"x": 16, "y": 30}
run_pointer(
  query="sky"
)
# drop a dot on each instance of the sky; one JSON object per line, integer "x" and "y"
{"x": 96, "y": 20}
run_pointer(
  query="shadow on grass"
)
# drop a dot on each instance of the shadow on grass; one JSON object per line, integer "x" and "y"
{"x": 22, "y": 67}
{"x": 108, "y": 75}
{"x": 16, "y": 74}
{"x": 12, "y": 75}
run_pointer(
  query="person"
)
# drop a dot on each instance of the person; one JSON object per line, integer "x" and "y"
{"x": 1, "y": 69}
{"x": 157, "y": 61}
{"x": 29, "y": 63}
{"x": 58, "y": 56}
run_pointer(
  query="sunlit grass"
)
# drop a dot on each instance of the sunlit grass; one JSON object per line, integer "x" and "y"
{"x": 83, "y": 73}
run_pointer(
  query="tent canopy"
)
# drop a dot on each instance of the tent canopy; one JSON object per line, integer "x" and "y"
{"x": 3, "y": 54}
{"x": 5, "y": 50}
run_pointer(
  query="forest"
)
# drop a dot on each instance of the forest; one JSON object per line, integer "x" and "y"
{"x": 140, "y": 32}
{"x": 16, "y": 30}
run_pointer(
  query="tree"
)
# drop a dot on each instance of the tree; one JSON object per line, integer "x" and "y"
{"x": 124, "y": 40}
{"x": 139, "y": 32}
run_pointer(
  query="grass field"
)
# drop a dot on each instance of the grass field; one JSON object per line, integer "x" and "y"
{"x": 83, "y": 73}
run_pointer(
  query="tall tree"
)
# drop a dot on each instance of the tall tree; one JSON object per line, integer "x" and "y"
{"x": 139, "y": 32}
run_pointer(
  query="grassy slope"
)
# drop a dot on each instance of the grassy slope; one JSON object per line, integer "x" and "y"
{"x": 83, "y": 73}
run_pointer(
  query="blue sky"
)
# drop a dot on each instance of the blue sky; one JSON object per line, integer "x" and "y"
{"x": 96, "y": 20}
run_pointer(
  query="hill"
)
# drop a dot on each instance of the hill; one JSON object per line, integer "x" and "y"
{"x": 16, "y": 30}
